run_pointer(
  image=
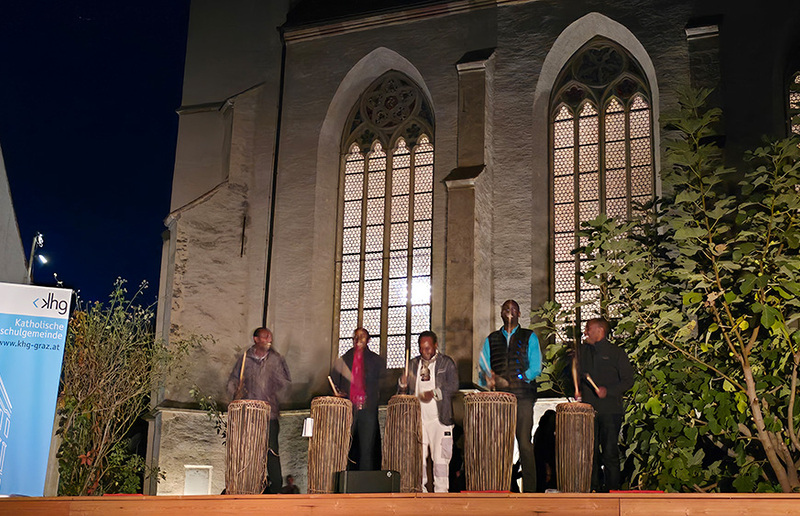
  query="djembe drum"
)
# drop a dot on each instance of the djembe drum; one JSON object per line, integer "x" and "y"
{"x": 329, "y": 442}
{"x": 574, "y": 447}
{"x": 402, "y": 441}
{"x": 246, "y": 454}
{"x": 490, "y": 420}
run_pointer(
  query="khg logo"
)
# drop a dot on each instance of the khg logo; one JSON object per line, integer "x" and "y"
{"x": 51, "y": 303}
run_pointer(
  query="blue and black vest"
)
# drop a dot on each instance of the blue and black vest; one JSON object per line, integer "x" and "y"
{"x": 511, "y": 361}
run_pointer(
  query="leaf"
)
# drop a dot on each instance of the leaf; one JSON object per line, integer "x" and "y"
{"x": 731, "y": 297}
{"x": 769, "y": 316}
{"x": 728, "y": 386}
{"x": 713, "y": 426}
{"x": 689, "y": 232}
{"x": 686, "y": 330}
{"x": 792, "y": 287}
{"x": 691, "y": 298}
{"x": 741, "y": 402}
{"x": 687, "y": 196}
{"x": 744, "y": 484}
{"x": 746, "y": 286}
{"x": 654, "y": 405}
{"x": 697, "y": 459}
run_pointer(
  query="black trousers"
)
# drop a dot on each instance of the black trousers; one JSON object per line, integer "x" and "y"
{"x": 365, "y": 449}
{"x": 274, "y": 459}
{"x": 606, "y": 452}
{"x": 525, "y": 440}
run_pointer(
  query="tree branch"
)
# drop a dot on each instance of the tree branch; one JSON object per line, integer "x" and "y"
{"x": 763, "y": 435}
{"x": 790, "y": 412}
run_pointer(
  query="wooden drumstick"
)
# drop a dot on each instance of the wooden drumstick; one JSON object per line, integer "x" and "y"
{"x": 591, "y": 382}
{"x": 333, "y": 386}
{"x": 575, "y": 381}
{"x": 239, "y": 390}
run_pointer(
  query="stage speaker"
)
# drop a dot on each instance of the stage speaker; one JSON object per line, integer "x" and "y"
{"x": 366, "y": 481}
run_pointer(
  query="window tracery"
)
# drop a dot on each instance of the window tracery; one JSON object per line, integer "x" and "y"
{"x": 384, "y": 280}
{"x": 602, "y": 157}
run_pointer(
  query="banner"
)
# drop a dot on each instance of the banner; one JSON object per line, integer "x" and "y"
{"x": 33, "y": 330}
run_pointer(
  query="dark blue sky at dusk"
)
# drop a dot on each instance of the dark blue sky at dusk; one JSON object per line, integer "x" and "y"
{"x": 88, "y": 129}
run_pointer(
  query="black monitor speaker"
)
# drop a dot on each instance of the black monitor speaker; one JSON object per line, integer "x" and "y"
{"x": 386, "y": 481}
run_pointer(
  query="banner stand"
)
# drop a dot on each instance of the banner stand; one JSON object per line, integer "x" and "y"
{"x": 33, "y": 333}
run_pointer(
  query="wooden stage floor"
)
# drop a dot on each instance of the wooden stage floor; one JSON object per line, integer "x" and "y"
{"x": 478, "y": 504}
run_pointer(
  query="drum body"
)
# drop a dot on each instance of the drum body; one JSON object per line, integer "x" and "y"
{"x": 329, "y": 442}
{"x": 490, "y": 421}
{"x": 574, "y": 447}
{"x": 402, "y": 441}
{"x": 246, "y": 441}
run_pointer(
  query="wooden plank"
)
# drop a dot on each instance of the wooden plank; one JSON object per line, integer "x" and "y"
{"x": 472, "y": 504}
{"x": 713, "y": 504}
{"x": 444, "y": 504}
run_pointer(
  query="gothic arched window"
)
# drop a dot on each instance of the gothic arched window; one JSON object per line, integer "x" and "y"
{"x": 794, "y": 104}
{"x": 384, "y": 249}
{"x": 602, "y": 156}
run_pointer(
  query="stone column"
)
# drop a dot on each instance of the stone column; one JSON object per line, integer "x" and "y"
{"x": 468, "y": 276}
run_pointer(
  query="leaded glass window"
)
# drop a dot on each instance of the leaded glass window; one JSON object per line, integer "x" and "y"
{"x": 602, "y": 157}
{"x": 794, "y": 104}
{"x": 384, "y": 280}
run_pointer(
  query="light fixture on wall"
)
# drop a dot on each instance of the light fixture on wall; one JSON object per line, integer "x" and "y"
{"x": 38, "y": 241}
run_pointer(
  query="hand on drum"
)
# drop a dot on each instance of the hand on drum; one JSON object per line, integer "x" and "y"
{"x": 490, "y": 381}
{"x": 499, "y": 382}
{"x": 426, "y": 396}
{"x": 239, "y": 394}
{"x": 403, "y": 381}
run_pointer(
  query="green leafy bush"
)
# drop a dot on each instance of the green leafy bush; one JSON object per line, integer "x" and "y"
{"x": 112, "y": 363}
{"x": 703, "y": 286}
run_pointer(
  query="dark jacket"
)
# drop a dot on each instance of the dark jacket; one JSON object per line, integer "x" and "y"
{"x": 374, "y": 370}
{"x": 264, "y": 379}
{"x": 609, "y": 367}
{"x": 446, "y": 381}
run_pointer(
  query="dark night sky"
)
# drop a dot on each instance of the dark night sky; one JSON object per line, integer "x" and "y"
{"x": 88, "y": 127}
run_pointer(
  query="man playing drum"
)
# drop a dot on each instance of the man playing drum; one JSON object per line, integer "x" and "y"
{"x": 606, "y": 374}
{"x": 510, "y": 361}
{"x": 263, "y": 376}
{"x": 357, "y": 375}
{"x": 433, "y": 378}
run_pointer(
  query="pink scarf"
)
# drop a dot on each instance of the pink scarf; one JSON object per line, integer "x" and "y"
{"x": 358, "y": 390}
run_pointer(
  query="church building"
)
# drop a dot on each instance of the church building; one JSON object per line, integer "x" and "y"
{"x": 409, "y": 165}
